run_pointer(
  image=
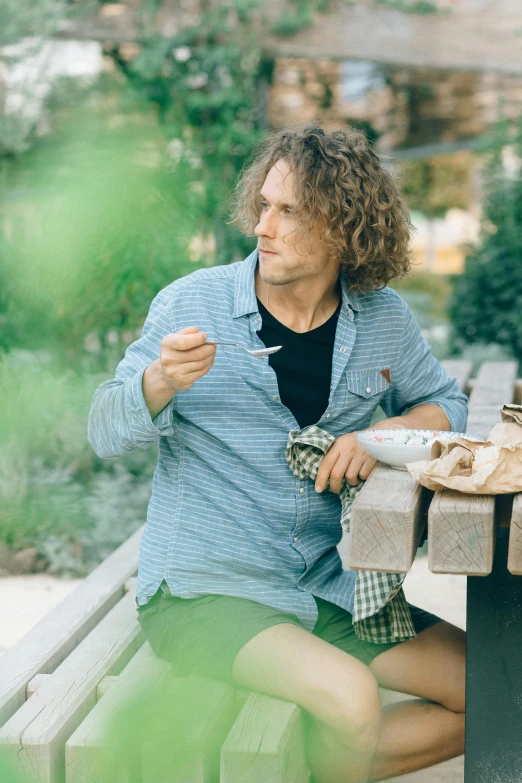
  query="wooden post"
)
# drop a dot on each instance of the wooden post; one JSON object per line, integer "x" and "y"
{"x": 515, "y": 538}
{"x": 388, "y": 520}
{"x": 461, "y": 533}
{"x": 265, "y": 744}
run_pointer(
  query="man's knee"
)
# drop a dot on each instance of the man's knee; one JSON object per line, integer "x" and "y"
{"x": 351, "y": 707}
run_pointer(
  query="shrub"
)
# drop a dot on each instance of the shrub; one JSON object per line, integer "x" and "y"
{"x": 55, "y": 494}
{"x": 487, "y": 300}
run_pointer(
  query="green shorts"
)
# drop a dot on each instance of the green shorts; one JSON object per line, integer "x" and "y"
{"x": 204, "y": 635}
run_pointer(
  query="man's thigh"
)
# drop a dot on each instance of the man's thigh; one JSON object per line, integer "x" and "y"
{"x": 432, "y": 666}
{"x": 291, "y": 663}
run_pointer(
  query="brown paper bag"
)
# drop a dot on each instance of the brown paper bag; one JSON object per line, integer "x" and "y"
{"x": 490, "y": 468}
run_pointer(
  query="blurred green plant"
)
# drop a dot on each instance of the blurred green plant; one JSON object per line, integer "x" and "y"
{"x": 487, "y": 299}
{"x": 106, "y": 222}
{"x": 25, "y": 26}
{"x": 435, "y": 185}
{"x": 23, "y": 18}
{"x": 435, "y": 288}
{"x": 208, "y": 84}
{"x": 413, "y": 6}
{"x": 55, "y": 495}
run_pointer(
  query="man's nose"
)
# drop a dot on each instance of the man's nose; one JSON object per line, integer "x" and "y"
{"x": 267, "y": 224}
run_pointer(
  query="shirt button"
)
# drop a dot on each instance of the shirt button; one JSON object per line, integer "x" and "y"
{"x": 368, "y": 389}
{"x": 274, "y": 399}
{"x": 301, "y": 491}
{"x": 295, "y": 539}
{"x": 343, "y": 349}
{"x": 328, "y": 415}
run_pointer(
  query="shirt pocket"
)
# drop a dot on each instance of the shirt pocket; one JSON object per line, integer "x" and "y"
{"x": 364, "y": 390}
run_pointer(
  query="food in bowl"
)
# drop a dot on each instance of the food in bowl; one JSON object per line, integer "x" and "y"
{"x": 397, "y": 447}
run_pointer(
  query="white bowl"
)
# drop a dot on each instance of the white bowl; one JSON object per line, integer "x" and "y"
{"x": 382, "y": 445}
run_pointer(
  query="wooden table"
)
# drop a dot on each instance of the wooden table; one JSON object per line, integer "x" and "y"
{"x": 481, "y": 537}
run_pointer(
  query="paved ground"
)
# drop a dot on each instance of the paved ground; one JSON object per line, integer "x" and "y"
{"x": 25, "y": 599}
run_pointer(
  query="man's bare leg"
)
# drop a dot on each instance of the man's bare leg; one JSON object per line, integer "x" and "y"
{"x": 337, "y": 690}
{"x": 349, "y": 740}
{"x": 418, "y": 734}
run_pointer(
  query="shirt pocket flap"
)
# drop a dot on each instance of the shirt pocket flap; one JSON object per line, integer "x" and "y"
{"x": 366, "y": 383}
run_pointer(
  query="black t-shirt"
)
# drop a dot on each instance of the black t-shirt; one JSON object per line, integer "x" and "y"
{"x": 303, "y": 366}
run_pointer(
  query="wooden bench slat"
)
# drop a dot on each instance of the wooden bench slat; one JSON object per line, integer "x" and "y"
{"x": 33, "y": 739}
{"x": 265, "y": 744}
{"x": 51, "y": 640}
{"x": 461, "y": 533}
{"x": 85, "y": 757}
{"x": 493, "y": 387}
{"x": 515, "y": 537}
{"x": 387, "y": 539}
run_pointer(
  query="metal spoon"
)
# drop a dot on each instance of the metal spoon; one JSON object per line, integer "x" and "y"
{"x": 258, "y": 353}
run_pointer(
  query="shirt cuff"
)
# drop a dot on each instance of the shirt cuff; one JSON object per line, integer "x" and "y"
{"x": 135, "y": 403}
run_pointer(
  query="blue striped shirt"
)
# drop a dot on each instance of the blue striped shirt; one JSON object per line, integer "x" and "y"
{"x": 227, "y": 516}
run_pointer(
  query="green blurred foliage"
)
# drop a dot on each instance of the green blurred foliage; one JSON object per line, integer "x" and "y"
{"x": 21, "y": 18}
{"x": 28, "y": 24}
{"x": 55, "y": 494}
{"x": 103, "y": 221}
{"x": 412, "y": 6}
{"x": 208, "y": 84}
{"x": 95, "y": 220}
{"x": 439, "y": 183}
{"x": 434, "y": 287}
{"x": 486, "y": 305}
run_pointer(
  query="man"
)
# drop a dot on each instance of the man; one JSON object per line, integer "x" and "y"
{"x": 239, "y": 575}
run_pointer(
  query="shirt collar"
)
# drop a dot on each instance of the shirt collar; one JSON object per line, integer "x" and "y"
{"x": 349, "y": 298}
{"x": 245, "y": 301}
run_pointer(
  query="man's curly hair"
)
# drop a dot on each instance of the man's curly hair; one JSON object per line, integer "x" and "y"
{"x": 339, "y": 181}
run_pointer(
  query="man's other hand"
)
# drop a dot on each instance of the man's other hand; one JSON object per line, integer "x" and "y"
{"x": 184, "y": 357}
{"x": 345, "y": 459}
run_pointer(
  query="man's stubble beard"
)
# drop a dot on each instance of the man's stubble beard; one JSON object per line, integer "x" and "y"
{"x": 283, "y": 278}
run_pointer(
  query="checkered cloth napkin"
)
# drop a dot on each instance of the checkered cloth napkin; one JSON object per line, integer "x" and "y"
{"x": 381, "y": 613}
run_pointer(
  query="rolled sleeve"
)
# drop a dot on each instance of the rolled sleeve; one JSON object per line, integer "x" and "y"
{"x": 119, "y": 420}
{"x": 135, "y": 403}
{"x": 419, "y": 378}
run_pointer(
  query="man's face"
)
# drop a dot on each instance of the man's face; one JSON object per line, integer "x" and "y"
{"x": 284, "y": 256}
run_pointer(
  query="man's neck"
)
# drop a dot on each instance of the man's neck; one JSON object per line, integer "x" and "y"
{"x": 298, "y": 305}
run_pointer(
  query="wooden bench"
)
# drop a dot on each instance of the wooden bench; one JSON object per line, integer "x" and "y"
{"x": 82, "y": 669}
{"x": 77, "y": 674}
